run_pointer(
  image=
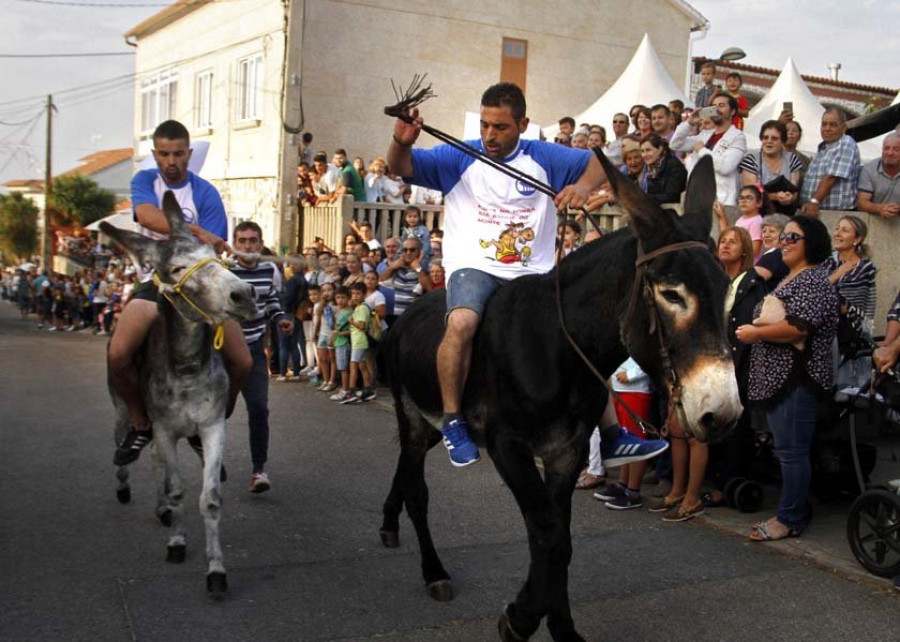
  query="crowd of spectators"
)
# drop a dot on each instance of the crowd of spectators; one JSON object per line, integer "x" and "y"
{"x": 89, "y": 300}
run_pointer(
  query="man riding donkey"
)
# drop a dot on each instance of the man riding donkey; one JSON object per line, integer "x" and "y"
{"x": 204, "y": 213}
{"x": 480, "y": 203}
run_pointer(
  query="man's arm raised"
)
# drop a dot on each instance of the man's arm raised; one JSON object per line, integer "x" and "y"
{"x": 399, "y": 156}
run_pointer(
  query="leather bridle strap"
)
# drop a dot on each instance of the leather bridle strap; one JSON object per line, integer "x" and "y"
{"x": 168, "y": 289}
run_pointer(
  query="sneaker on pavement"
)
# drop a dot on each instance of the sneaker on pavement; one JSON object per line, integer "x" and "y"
{"x": 327, "y": 387}
{"x": 130, "y": 448}
{"x": 259, "y": 483}
{"x": 628, "y": 449}
{"x": 610, "y": 493}
{"x": 626, "y": 502}
{"x": 352, "y": 397}
{"x": 281, "y": 378}
{"x": 339, "y": 395}
{"x": 368, "y": 395}
{"x": 460, "y": 446}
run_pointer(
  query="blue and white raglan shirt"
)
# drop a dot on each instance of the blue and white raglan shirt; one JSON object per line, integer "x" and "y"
{"x": 200, "y": 204}
{"x": 493, "y": 222}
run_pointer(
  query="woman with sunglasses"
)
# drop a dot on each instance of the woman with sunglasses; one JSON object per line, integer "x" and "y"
{"x": 853, "y": 274}
{"x": 770, "y": 162}
{"x": 791, "y": 366}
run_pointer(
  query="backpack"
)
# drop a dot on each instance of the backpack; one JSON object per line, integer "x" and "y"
{"x": 373, "y": 327}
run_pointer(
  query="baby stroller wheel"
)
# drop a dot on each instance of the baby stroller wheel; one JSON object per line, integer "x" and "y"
{"x": 730, "y": 489}
{"x": 873, "y": 531}
{"x": 748, "y": 496}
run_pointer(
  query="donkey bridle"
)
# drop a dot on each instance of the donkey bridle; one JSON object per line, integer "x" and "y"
{"x": 168, "y": 289}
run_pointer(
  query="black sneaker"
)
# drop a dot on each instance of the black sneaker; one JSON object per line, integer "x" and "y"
{"x": 368, "y": 395}
{"x": 130, "y": 448}
{"x": 625, "y": 502}
{"x": 610, "y": 493}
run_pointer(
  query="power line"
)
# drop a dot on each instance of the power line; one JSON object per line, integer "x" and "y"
{"x": 69, "y": 55}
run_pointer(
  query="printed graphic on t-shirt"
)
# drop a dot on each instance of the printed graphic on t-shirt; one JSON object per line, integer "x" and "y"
{"x": 512, "y": 245}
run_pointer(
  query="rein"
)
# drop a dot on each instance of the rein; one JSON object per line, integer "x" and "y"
{"x": 171, "y": 290}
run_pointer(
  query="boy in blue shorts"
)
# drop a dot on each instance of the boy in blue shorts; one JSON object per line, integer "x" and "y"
{"x": 340, "y": 340}
{"x": 359, "y": 343}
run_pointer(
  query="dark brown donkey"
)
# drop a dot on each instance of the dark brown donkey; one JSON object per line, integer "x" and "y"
{"x": 541, "y": 400}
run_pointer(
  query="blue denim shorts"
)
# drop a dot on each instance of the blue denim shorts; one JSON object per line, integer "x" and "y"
{"x": 342, "y": 357}
{"x": 357, "y": 355}
{"x": 322, "y": 344}
{"x": 471, "y": 288}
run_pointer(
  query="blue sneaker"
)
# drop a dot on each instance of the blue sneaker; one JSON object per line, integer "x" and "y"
{"x": 462, "y": 449}
{"x": 628, "y": 449}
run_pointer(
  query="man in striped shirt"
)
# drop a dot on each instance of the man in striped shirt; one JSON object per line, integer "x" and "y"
{"x": 404, "y": 273}
{"x": 265, "y": 279}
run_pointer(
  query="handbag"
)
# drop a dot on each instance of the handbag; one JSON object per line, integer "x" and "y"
{"x": 771, "y": 312}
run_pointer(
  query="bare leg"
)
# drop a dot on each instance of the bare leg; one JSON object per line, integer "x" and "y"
{"x": 366, "y": 375}
{"x": 131, "y": 331}
{"x": 697, "y": 473}
{"x": 454, "y": 356}
{"x": 680, "y": 459}
{"x": 354, "y": 375}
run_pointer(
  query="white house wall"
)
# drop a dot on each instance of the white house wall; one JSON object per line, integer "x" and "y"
{"x": 576, "y": 50}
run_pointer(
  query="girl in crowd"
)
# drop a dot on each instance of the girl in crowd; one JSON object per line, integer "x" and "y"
{"x": 771, "y": 162}
{"x": 666, "y": 176}
{"x": 853, "y": 275}
{"x": 360, "y": 166}
{"x": 770, "y": 266}
{"x": 751, "y": 203}
{"x": 323, "y": 326}
{"x": 791, "y": 366}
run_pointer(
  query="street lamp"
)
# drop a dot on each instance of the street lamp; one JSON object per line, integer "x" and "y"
{"x": 732, "y": 53}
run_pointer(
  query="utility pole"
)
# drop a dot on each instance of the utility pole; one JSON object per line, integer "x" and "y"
{"x": 48, "y": 189}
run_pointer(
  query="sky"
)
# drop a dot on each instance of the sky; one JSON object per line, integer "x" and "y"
{"x": 95, "y": 95}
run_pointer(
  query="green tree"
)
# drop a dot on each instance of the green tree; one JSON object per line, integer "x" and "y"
{"x": 18, "y": 225}
{"x": 78, "y": 199}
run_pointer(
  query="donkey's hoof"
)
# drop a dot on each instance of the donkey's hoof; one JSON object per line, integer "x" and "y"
{"x": 390, "y": 539}
{"x": 123, "y": 495}
{"x": 441, "y": 591}
{"x": 504, "y": 628}
{"x": 216, "y": 584}
{"x": 175, "y": 554}
{"x": 165, "y": 517}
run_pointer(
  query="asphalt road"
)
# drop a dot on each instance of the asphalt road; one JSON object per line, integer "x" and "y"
{"x": 304, "y": 560}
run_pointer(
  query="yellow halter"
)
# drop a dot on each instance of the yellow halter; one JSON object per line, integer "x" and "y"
{"x": 178, "y": 288}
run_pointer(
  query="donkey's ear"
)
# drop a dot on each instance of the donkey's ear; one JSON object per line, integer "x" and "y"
{"x": 699, "y": 198}
{"x": 142, "y": 250}
{"x": 653, "y": 226}
{"x": 174, "y": 216}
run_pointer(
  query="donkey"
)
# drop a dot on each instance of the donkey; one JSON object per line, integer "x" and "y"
{"x": 183, "y": 378}
{"x": 538, "y": 399}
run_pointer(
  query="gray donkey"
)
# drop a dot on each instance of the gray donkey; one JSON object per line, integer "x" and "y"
{"x": 183, "y": 378}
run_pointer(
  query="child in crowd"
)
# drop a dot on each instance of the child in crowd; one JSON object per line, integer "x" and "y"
{"x": 733, "y": 83}
{"x": 313, "y": 370}
{"x": 633, "y": 386}
{"x": 340, "y": 340}
{"x": 359, "y": 343}
{"x": 415, "y": 228}
{"x": 708, "y": 89}
{"x": 323, "y": 326}
{"x": 437, "y": 240}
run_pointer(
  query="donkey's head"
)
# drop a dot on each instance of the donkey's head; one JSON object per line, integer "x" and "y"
{"x": 183, "y": 261}
{"x": 687, "y": 287}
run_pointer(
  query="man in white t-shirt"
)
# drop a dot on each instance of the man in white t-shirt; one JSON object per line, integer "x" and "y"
{"x": 496, "y": 228}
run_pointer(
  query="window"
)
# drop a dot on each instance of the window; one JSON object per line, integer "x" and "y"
{"x": 514, "y": 61}
{"x": 158, "y": 93}
{"x": 249, "y": 81}
{"x": 203, "y": 99}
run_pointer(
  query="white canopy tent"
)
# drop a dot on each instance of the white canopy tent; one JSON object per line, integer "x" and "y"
{"x": 123, "y": 220}
{"x": 788, "y": 88}
{"x": 645, "y": 81}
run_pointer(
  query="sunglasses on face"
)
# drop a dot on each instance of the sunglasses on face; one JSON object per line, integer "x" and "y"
{"x": 790, "y": 238}
{"x": 620, "y": 122}
{"x": 410, "y": 250}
